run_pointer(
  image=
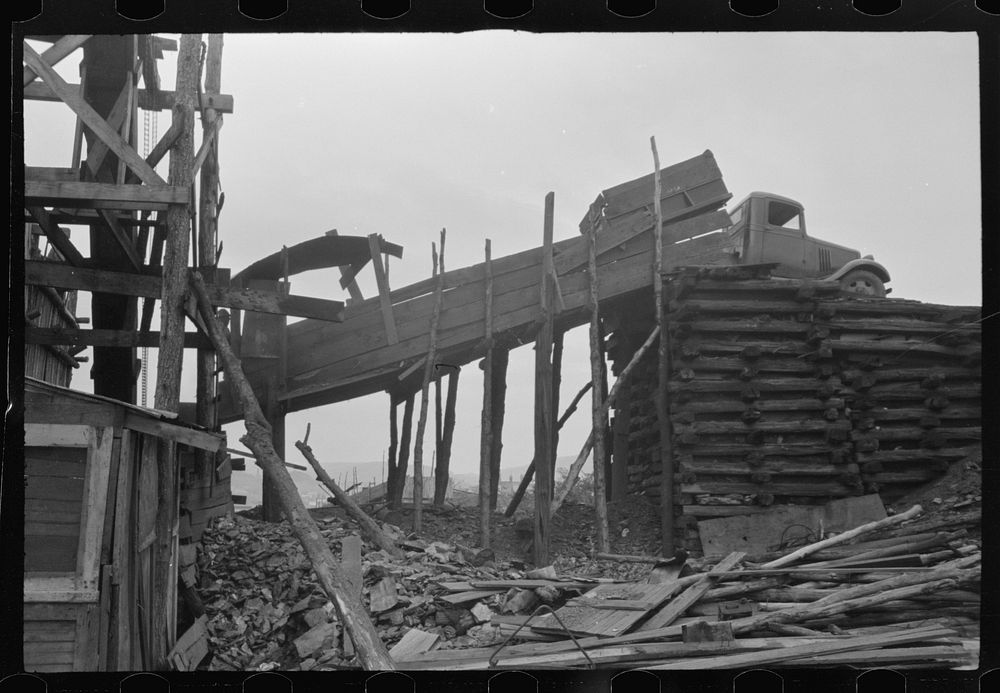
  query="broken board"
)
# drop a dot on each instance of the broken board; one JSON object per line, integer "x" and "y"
{"x": 606, "y": 610}
{"x": 763, "y": 532}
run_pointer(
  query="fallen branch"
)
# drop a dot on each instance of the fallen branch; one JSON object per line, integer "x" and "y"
{"x": 530, "y": 472}
{"x": 372, "y": 653}
{"x": 574, "y": 470}
{"x": 368, "y": 526}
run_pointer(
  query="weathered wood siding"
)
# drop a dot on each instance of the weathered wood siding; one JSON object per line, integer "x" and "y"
{"x": 53, "y": 505}
{"x": 59, "y": 637}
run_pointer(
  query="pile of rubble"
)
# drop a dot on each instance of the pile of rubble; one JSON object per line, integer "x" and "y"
{"x": 900, "y": 591}
{"x": 266, "y": 611}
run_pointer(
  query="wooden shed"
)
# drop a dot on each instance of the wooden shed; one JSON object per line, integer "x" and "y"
{"x": 94, "y": 558}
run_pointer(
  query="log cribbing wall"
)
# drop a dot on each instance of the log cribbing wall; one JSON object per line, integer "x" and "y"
{"x": 781, "y": 391}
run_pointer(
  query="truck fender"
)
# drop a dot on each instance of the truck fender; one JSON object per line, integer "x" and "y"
{"x": 862, "y": 263}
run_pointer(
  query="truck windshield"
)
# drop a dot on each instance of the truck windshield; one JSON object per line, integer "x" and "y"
{"x": 784, "y": 215}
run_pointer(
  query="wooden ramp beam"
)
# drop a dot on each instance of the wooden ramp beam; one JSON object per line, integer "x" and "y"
{"x": 385, "y": 300}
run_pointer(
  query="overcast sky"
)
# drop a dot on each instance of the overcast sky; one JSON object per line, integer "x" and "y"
{"x": 402, "y": 135}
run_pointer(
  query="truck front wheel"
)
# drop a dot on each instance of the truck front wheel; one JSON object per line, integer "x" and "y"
{"x": 861, "y": 282}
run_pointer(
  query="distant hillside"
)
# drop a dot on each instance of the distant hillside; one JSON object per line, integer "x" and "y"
{"x": 248, "y": 483}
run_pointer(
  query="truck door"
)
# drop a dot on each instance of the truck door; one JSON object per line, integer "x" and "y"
{"x": 783, "y": 239}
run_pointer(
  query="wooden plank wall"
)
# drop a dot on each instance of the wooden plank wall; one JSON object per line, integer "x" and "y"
{"x": 784, "y": 392}
{"x": 114, "y": 632}
{"x": 59, "y": 637}
{"x": 205, "y": 493}
{"x": 53, "y": 506}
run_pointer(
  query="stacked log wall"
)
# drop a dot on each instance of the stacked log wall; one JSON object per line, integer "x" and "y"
{"x": 785, "y": 392}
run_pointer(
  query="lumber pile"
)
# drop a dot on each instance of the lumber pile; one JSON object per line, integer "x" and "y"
{"x": 885, "y": 593}
{"x": 785, "y": 392}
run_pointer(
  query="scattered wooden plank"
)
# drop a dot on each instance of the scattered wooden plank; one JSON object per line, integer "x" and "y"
{"x": 676, "y": 607}
{"x": 469, "y": 596}
{"x": 384, "y": 596}
{"x": 350, "y": 560}
{"x": 415, "y": 642}
{"x": 808, "y": 650}
{"x": 191, "y": 647}
{"x": 584, "y": 616}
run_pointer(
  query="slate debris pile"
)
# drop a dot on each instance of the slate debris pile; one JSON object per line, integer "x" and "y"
{"x": 900, "y": 592}
{"x": 266, "y": 611}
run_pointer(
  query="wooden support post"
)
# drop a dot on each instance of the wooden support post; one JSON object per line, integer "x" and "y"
{"x": 530, "y": 471}
{"x": 382, "y": 280}
{"x": 171, "y": 350}
{"x": 208, "y": 229}
{"x": 663, "y": 374}
{"x": 396, "y": 501}
{"x": 498, "y": 388}
{"x": 263, "y": 352}
{"x": 367, "y": 524}
{"x": 391, "y": 478}
{"x": 438, "y": 421}
{"x": 371, "y": 652}
{"x": 557, "y": 354}
{"x": 543, "y": 395}
{"x": 486, "y": 427}
{"x": 418, "y": 450}
{"x": 448, "y": 435}
{"x": 598, "y": 411}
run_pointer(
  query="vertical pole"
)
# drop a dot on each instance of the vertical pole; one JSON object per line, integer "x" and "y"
{"x": 543, "y": 397}
{"x": 391, "y": 479}
{"x": 486, "y": 427}
{"x": 438, "y": 422}
{"x": 598, "y": 411}
{"x": 663, "y": 372}
{"x": 205, "y": 407}
{"x": 169, "y": 360}
{"x": 444, "y": 458}
{"x": 501, "y": 357}
{"x": 396, "y": 502}
{"x": 418, "y": 451}
{"x": 557, "y": 354}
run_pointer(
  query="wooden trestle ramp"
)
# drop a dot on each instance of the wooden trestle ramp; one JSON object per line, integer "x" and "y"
{"x": 329, "y": 362}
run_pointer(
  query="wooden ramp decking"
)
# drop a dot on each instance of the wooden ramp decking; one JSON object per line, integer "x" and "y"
{"x": 335, "y": 361}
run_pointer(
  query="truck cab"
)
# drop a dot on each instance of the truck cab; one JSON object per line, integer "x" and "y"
{"x": 769, "y": 228}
